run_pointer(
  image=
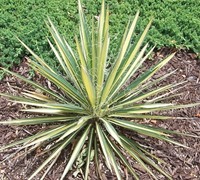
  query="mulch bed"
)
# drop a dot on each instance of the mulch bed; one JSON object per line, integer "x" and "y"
{"x": 182, "y": 163}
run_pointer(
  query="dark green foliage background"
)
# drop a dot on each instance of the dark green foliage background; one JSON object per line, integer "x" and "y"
{"x": 176, "y": 23}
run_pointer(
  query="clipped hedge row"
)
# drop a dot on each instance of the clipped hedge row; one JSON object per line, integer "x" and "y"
{"x": 176, "y": 23}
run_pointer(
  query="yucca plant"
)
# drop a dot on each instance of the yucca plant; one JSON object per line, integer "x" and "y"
{"x": 95, "y": 100}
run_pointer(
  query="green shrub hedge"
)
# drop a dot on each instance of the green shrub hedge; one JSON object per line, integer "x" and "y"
{"x": 176, "y": 23}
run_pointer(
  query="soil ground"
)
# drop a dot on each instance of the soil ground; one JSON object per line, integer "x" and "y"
{"x": 181, "y": 163}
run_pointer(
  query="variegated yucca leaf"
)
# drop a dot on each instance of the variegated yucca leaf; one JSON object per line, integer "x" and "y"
{"x": 93, "y": 102}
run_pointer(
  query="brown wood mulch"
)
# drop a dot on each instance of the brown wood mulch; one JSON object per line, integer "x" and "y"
{"x": 181, "y": 163}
